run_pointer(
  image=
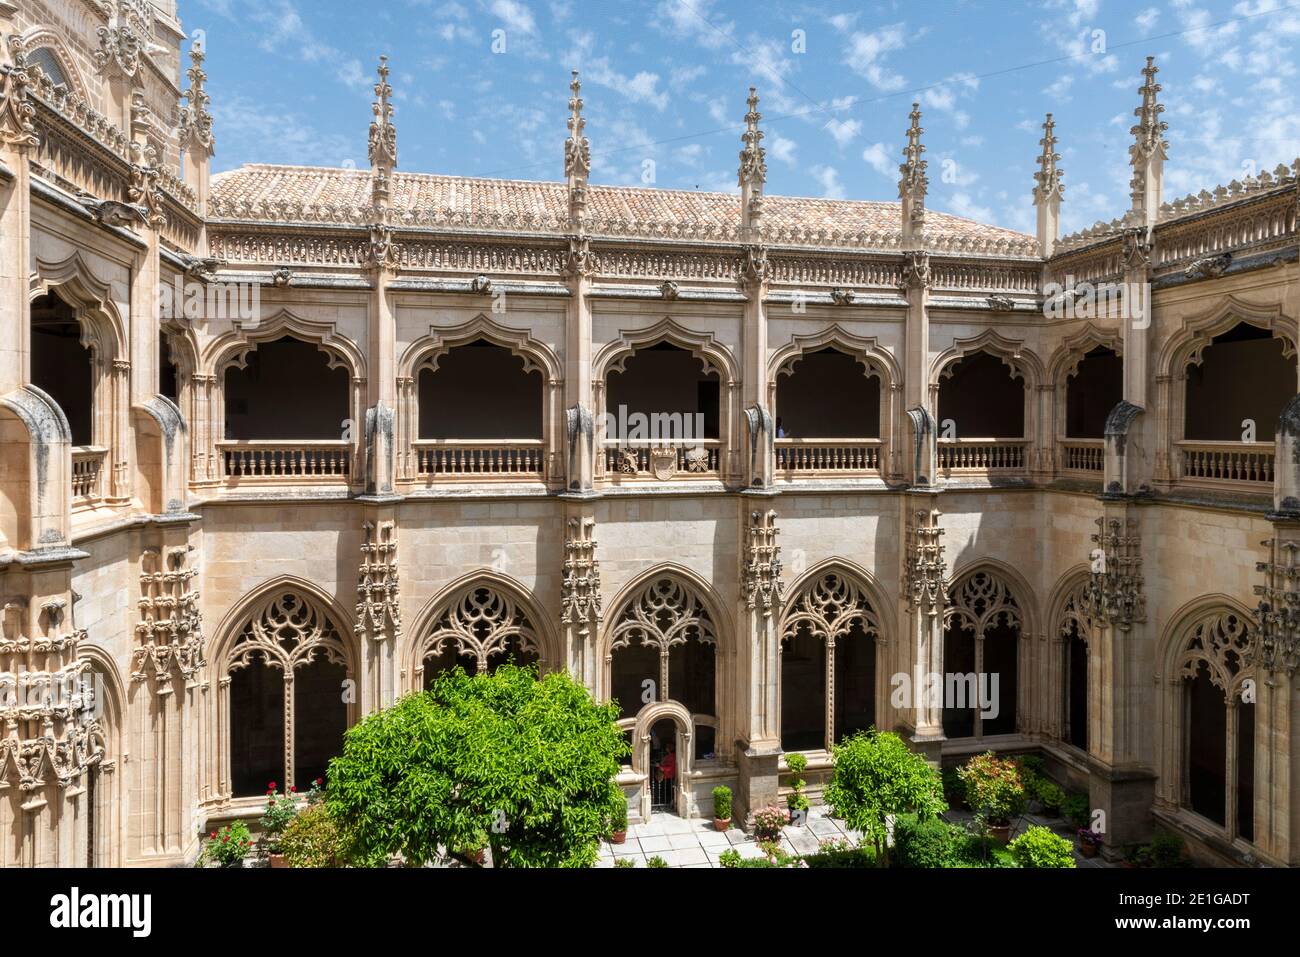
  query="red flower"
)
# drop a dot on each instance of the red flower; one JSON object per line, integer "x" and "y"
{"x": 272, "y": 786}
{"x": 214, "y": 835}
{"x": 293, "y": 789}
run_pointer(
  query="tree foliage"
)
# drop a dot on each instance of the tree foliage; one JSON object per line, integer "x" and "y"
{"x": 877, "y": 777}
{"x": 529, "y": 764}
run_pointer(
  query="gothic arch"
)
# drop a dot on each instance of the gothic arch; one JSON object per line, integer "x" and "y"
{"x": 1189, "y": 341}
{"x": 875, "y": 360}
{"x": 1064, "y": 607}
{"x": 860, "y": 585}
{"x": 1065, "y": 360}
{"x": 232, "y": 348}
{"x": 477, "y": 625}
{"x": 109, "y": 795}
{"x": 713, "y": 355}
{"x": 1023, "y": 363}
{"x": 1066, "y": 622}
{"x": 695, "y": 583}
{"x": 426, "y": 351}
{"x": 228, "y": 629}
{"x": 43, "y": 36}
{"x": 1211, "y": 633}
{"x": 102, "y": 330}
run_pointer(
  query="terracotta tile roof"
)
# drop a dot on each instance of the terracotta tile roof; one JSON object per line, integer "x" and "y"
{"x": 302, "y": 194}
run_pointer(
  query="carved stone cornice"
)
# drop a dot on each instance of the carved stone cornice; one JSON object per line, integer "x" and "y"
{"x": 580, "y": 602}
{"x": 761, "y": 570}
{"x": 379, "y": 613}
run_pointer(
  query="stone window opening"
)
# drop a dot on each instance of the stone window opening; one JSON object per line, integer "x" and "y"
{"x": 479, "y": 629}
{"x": 981, "y": 656}
{"x": 168, "y": 371}
{"x": 1094, "y": 388}
{"x": 1244, "y": 375}
{"x": 982, "y": 398}
{"x": 480, "y": 411}
{"x": 829, "y": 414}
{"x": 829, "y": 638}
{"x": 285, "y": 696}
{"x": 63, "y": 366}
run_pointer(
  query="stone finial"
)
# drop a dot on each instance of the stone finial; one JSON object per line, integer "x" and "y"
{"x": 753, "y": 167}
{"x": 196, "y": 118}
{"x": 383, "y": 134}
{"x": 1149, "y": 150}
{"x": 914, "y": 184}
{"x": 577, "y": 155}
{"x": 1048, "y": 190}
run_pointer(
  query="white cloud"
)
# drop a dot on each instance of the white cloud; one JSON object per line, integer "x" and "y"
{"x": 694, "y": 20}
{"x": 877, "y": 156}
{"x": 1147, "y": 19}
{"x": 783, "y": 149}
{"x": 866, "y": 52}
{"x": 843, "y": 131}
{"x": 829, "y": 180}
{"x": 641, "y": 88}
{"x": 514, "y": 15}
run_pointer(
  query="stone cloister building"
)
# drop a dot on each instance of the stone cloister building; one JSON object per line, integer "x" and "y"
{"x": 280, "y": 444}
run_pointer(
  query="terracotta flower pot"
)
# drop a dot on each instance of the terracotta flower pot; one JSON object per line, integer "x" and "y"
{"x": 478, "y": 857}
{"x": 278, "y": 861}
{"x": 1088, "y": 850}
{"x": 618, "y": 837}
{"x": 1000, "y": 833}
{"x": 721, "y": 823}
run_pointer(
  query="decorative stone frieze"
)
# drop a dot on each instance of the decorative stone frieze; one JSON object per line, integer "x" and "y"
{"x": 379, "y": 613}
{"x": 170, "y": 630}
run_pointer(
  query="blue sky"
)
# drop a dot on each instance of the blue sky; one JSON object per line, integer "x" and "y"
{"x": 665, "y": 81}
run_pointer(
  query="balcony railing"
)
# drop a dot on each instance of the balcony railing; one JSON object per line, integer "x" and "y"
{"x": 982, "y": 455}
{"x": 698, "y": 460}
{"x": 88, "y": 475}
{"x": 276, "y": 461}
{"x": 1228, "y": 465}
{"x": 1083, "y": 455}
{"x": 522, "y": 459}
{"x": 828, "y": 456}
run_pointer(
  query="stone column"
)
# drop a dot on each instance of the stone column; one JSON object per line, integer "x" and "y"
{"x": 580, "y": 598}
{"x": 920, "y": 654}
{"x": 379, "y": 611}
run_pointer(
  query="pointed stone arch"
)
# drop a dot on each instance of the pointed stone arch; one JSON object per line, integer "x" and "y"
{"x": 1069, "y": 657}
{"x": 829, "y": 604}
{"x": 874, "y": 359}
{"x": 426, "y": 351}
{"x": 103, "y": 330}
{"x": 232, "y": 348}
{"x": 712, "y": 354}
{"x": 1073, "y": 348}
{"x": 479, "y": 615}
{"x": 285, "y": 625}
{"x": 1023, "y": 362}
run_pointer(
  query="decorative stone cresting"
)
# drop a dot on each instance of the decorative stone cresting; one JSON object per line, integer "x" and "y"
{"x": 580, "y": 588}
{"x": 924, "y": 584}
{"x": 1114, "y": 595}
{"x": 761, "y": 570}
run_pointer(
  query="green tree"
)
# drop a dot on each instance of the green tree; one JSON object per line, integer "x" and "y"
{"x": 530, "y": 763}
{"x": 876, "y": 776}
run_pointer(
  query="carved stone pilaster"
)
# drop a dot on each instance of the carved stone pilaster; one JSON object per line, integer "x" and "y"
{"x": 916, "y": 270}
{"x": 1114, "y": 593}
{"x": 925, "y": 587}
{"x": 760, "y": 573}
{"x": 379, "y": 614}
{"x": 170, "y": 629}
{"x": 580, "y": 587}
{"x": 1275, "y": 644}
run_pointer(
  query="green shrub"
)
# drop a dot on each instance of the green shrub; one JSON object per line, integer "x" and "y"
{"x": 796, "y": 800}
{"x": 877, "y": 777}
{"x": 618, "y": 818}
{"x": 1166, "y": 850}
{"x": 1075, "y": 809}
{"x": 976, "y": 850}
{"x": 228, "y": 846}
{"x": 312, "y": 839}
{"x": 854, "y": 857}
{"x": 768, "y": 823}
{"x": 624, "y": 862}
{"x": 729, "y": 858}
{"x": 930, "y": 843}
{"x": 1039, "y": 847}
{"x": 722, "y": 803}
{"x": 281, "y": 809}
{"x": 656, "y": 861}
{"x": 954, "y": 788}
{"x": 994, "y": 788}
{"x": 1050, "y": 795}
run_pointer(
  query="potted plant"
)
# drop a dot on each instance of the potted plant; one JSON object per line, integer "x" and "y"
{"x": 618, "y": 826}
{"x": 768, "y": 823}
{"x": 995, "y": 791}
{"x": 1089, "y": 842}
{"x": 476, "y": 848}
{"x": 796, "y": 800}
{"x": 721, "y": 807}
{"x": 312, "y": 839}
{"x": 228, "y": 846}
{"x": 281, "y": 809}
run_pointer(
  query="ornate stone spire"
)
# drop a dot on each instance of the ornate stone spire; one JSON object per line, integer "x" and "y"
{"x": 753, "y": 168}
{"x": 196, "y": 119}
{"x": 577, "y": 156}
{"x": 914, "y": 184}
{"x": 383, "y": 137}
{"x": 1048, "y": 191}
{"x": 1149, "y": 151}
